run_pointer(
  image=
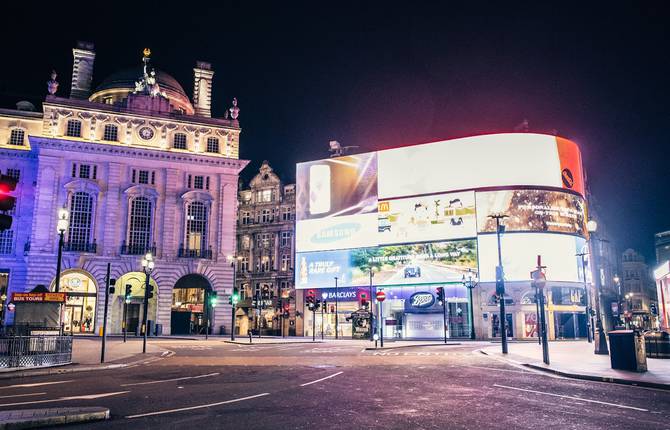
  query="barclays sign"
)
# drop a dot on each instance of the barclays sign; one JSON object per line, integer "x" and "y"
{"x": 421, "y": 300}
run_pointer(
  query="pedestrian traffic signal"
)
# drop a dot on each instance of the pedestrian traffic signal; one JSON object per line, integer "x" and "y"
{"x": 150, "y": 291}
{"x": 7, "y": 201}
{"x": 129, "y": 292}
{"x": 439, "y": 292}
{"x": 213, "y": 298}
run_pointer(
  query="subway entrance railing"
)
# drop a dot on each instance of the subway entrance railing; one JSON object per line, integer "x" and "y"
{"x": 34, "y": 351}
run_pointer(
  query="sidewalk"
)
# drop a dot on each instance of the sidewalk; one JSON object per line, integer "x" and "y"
{"x": 577, "y": 360}
{"x": 32, "y": 418}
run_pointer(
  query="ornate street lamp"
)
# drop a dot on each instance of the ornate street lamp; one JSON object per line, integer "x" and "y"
{"x": 500, "y": 280}
{"x": 61, "y": 226}
{"x": 470, "y": 284}
{"x": 147, "y": 267}
{"x": 234, "y": 296}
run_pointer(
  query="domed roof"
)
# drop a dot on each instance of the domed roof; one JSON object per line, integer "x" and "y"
{"x": 126, "y": 78}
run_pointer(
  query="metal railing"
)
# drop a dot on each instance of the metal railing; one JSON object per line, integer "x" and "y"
{"x": 80, "y": 247}
{"x": 194, "y": 253}
{"x": 35, "y": 351}
{"x": 133, "y": 249}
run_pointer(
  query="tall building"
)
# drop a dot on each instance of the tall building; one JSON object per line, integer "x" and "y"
{"x": 637, "y": 288}
{"x": 265, "y": 252}
{"x": 140, "y": 167}
{"x": 662, "y": 244}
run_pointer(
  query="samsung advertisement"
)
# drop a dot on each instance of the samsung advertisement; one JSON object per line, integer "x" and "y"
{"x": 420, "y": 215}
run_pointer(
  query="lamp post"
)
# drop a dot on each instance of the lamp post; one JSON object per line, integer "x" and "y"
{"x": 147, "y": 267}
{"x": 470, "y": 284}
{"x": 324, "y": 303}
{"x": 500, "y": 281}
{"x": 617, "y": 281}
{"x": 586, "y": 296}
{"x": 62, "y": 225}
{"x": 372, "y": 274}
{"x": 336, "y": 314}
{"x": 629, "y": 308}
{"x": 234, "y": 297}
{"x": 599, "y": 334}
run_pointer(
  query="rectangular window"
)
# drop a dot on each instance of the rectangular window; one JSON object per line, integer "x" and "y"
{"x": 198, "y": 182}
{"x": 17, "y": 137}
{"x": 245, "y": 242}
{"x": 285, "y": 238}
{"x": 81, "y": 217}
{"x": 7, "y": 242}
{"x": 188, "y": 185}
{"x": 207, "y": 182}
{"x": 110, "y": 133}
{"x": 266, "y": 215}
{"x": 143, "y": 177}
{"x": 85, "y": 171}
{"x": 14, "y": 173}
{"x": 153, "y": 178}
{"x": 212, "y": 144}
{"x": 244, "y": 264}
{"x": 285, "y": 262}
{"x": 74, "y": 170}
{"x": 264, "y": 196}
{"x": 139, "y": 231}
{"x": 95, "y": 172}
{"x": 133, "y": 177}
{"x": 246, "y": 218}
{"x": 179, "y": 141}
{"x": 73, "y": 128}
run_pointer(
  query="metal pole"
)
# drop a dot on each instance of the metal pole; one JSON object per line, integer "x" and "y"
{"x": 471, "y": 313}
{"x": 537, "y": 315}
{"x": 61, "y": 242}
{"x": 322, "y": 306}
{"x": 588, "y": 302}
{"x": 313, "y": 324}
{"x": 370, "y": 301}
{"x": 146, "y": 311}
{"x": 444, "y": 316}
{"x": 125, "y": 317}
{"x": 380, "y": 323}
{"x": 104, "y": 321}
{"x": 503, "y": 314}
{"x": 206, "y": 311}
{"x": 336, "y": 310}
{"x": 543, "y": 328}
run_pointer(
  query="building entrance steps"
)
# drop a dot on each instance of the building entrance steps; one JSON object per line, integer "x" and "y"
{"x": 577, "y": 360}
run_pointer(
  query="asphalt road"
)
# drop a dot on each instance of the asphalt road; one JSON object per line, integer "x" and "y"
{"x": 212, "y": 384}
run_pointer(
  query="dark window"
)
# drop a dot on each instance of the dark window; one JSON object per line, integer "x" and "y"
{"x": 73, "y": 128}
{"x": 14, "y": 173}
{"x": 81, "y": 216}
{"x": 179, "y": 141}
{"x": 153, "y": 178}
{"x": 17, "y": 137}
{"x": 6, "y": 242}
{"x": 111, "y": 133}
{"x": 139, "y": 229}
{"x": 74, "y": 170}
{"x": 207, "y": 183}
{"x": 213, "y": 144}
{"x": 133, "y": 177}
{"x": 143, "y": 177}
{"x": 196, "y": 226}
{"x": 85, "y": 171}
{"x": 189, "y": 182}
{"x": 95, "y": 172}
{"x": 198, "y": 182}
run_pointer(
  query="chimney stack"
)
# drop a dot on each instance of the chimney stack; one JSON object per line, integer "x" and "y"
{"x": 82, "y": 70}
{"x": 202, "y": 88}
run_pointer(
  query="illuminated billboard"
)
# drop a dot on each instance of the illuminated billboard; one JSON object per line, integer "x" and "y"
{"x": 424, "y": 263}
{"x": 342, "y": 232}
{"x": 519, "y": 256}
{"x": 532, "y": 210}
{"x": 510, "y": 159}
{"x": 427, "y": 218}
{"x": 337, "y": 186}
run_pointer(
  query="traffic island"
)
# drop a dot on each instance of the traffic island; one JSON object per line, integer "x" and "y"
{"x": 33, "y": 418}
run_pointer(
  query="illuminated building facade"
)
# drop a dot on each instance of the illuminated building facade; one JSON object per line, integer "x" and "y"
{"x": 265, "y": 250}
{"x": 140, "y": 167}
{"x": 409, "y": 220}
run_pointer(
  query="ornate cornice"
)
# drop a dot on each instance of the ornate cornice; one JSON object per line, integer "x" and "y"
{"x": 122, "y": 150}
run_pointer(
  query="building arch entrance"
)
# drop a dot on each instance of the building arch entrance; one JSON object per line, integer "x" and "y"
{"x": 134, "y": 307}
{"x": 188, "y": 305}
{"x": 79, "y": 311}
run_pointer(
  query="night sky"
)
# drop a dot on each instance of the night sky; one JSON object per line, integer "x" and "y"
{"x": 380, "y": 75}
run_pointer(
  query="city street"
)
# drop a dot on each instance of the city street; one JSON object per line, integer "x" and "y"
{"x": 337, "y": 384}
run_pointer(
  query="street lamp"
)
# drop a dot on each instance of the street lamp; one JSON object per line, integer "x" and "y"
{"x": 61, "y": 227}
{"x": 601, "y": 345}
{"x": 500, "y": 280}
{"x": 629, "y": 308}
{"x": 148, "y": 267}
{"x": 617, "y": 282}
{"x": 234, "y": 297}
{"x": 470, "y": 284}
{"x": 336, "y": 310}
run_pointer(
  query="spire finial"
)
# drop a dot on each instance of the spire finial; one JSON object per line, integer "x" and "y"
{"x": 52, "y": 84}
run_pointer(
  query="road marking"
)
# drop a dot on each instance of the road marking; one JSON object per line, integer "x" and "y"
{"x": 37, "y": 384}
{"x": 170, "y": 411}
{"x": 497, "y": 369}
{"x": 572, "y": 398}
{"x": 170, "y": 380}
{"x": 22, "y": 395}
{"x": 83, "y": 397}
{"x": 322, "y": 379}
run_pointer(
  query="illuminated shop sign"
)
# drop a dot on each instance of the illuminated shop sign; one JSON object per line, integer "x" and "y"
{"x": 532, "y": 210}
{"x": 423, "y": 263}
{"x": 421, "y": 300}
{"x": 349, "y": 231}
{"x": 350, "y": 294}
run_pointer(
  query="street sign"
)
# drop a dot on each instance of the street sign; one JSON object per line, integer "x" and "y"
{"x": 381, "y": 296}
{"x": 37, "y": 297}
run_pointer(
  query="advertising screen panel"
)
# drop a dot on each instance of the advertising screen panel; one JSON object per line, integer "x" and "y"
{"x": 532, "y": 210}
{"x": 519, "y": 256}
{"x": 348, "y": 231}
{"x": 337, "y": 186}
{"x": 423, "y": 263}
{"x": 427, "y": 218}
{"x": 480, "y": 161}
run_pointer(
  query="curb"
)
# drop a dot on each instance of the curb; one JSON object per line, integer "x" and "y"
{"x": 620, "y": 381}
{"x": 50, "y": 417}
{"x": 372, "y": 348}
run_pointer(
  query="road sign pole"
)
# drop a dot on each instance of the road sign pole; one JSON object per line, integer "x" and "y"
{"x": 539, "y": 281}
{"x": 104, "y": 322}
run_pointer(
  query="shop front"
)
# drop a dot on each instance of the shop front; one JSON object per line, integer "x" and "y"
{"x": 408, "y": 312}
{"x": 80, "y": 306}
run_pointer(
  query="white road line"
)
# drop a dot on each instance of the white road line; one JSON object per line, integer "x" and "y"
{"x": 573, "y": 398}
{"x": 83, "y": 397}
{"x": 497, "y": 369}
{"x": 37, "y": 384}
{"x": 21, "y": 395}
{"x": 170, "y": 411}
{"x": 322, "y": 379}
{"x": 170, "y": 380}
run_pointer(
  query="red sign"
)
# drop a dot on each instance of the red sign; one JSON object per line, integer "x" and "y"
{"x": 381, "y": 296}
{"x": 37, "y": 297}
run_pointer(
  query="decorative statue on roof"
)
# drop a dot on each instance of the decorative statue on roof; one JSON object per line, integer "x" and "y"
{"x": 234, "y": 110}
{"x": 148, "y": 83}
{"x": 52, "y": 84}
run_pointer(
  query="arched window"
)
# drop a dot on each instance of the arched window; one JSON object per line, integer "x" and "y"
{"x": 139, "y": 225}
{"x": 179, "y": 141}
{"x": 81, "y": 218}
{"x": 111, "y": 133}
{"x": 196, "y": 228}
{"x": 73, "y": 128}
{"x": 213, "y": 144}
{"x": 17, "y": 137}
{"x": 529, "y": 298}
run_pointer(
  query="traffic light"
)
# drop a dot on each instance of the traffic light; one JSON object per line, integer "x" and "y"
{"x": 364, "y": 300}
{"x": 112, "y": 289}
{"x": 500, "y": 281}
{"x": 653, "y": 309}
{"x": 311, "y": 297}
{"x": 317, "y": 304}
{"x": 234, "y": 298}
{"x": 129, "y": 292}
{"x": 439, "y": 292}
{"x": 150, "y": 291}
{"x": 7, "y": 201}
{"x": 213, "y": 298}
